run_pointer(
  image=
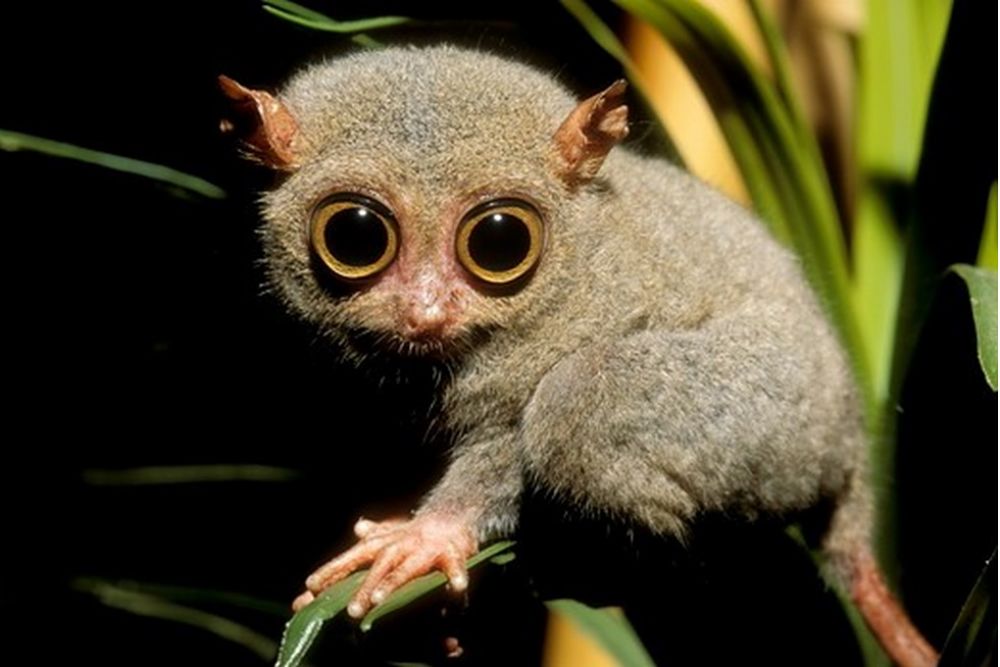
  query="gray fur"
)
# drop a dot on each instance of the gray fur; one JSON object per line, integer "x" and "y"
{"x": 666, "y": 360}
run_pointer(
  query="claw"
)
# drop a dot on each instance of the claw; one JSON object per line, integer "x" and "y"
{"x": 302, "y": 601}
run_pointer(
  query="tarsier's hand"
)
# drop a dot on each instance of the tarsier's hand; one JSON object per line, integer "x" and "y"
{"x": 398, "y": 551}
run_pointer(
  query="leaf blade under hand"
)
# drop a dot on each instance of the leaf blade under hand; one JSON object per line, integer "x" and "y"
{"x": 498, "y": 553}
{"x": 303, "y": 628}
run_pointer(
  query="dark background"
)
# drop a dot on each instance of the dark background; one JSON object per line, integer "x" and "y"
{"x": 139, "y": 335}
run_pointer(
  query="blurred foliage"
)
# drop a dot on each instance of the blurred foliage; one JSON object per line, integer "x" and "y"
{"x": 973, "y": 638}
{"x": 17, "y": 141}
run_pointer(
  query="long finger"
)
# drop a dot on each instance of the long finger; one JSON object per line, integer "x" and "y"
{"x": 383, "y": 566}
{"x": 412, "y": 567}
{"x": 302, "y": 600}
{"x": 453, "y": 566}
{"x": 356, "y": 557}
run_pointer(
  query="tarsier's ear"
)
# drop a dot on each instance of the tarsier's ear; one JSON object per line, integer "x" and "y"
{"x": 266, "y": 127}
{"x": 589, "y": 132}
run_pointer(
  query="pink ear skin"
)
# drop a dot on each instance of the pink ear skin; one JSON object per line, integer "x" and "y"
{"x": 265, "y": 126}
{"x": 589, "y": 133}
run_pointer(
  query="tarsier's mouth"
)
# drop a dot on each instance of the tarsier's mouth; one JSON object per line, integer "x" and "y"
{"x": 431, "y": 347}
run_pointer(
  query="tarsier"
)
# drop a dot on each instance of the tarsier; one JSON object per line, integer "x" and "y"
{"x": 620, "y": 336}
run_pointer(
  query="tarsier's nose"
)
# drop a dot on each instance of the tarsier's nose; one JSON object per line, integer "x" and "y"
{"x": 429, "y": 310}
{"x": 425, "y": 319}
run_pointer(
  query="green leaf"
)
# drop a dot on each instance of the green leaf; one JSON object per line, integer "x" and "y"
{"x": 778, "y": 56}
{"x": 199, "y": 474}
{"x": 144, "y": 604}
{"x": 297, "y": 9}
{"x": 609, "y": 629}
{"x": 185, "y": 594}
{"x": 16, "y": 141}
{"x": 879, "y": 259}
{"x": 899, "y": 52}
{"x": 497, "y": 553}
{"x": 987, "y": 257}
{"x": 302, "y": 630}
{"x": 296, "y": 13}
{"x": 974, "y": 634}
{"x": 982, "y": 284}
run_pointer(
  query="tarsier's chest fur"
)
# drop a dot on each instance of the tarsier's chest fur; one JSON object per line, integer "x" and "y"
{"x": 656, "y": 356}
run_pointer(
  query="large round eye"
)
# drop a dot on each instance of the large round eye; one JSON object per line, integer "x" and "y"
{"x": 354, "y": 236}
{"x": 500, "y": 241}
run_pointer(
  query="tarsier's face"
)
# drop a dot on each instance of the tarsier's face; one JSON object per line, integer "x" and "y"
{"x": 424, "y": 204}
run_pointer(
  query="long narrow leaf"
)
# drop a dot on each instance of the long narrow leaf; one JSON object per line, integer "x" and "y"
{"x": 144, "y": 604}
{"x": 898, "y": 54}
{"x": 302, "y": 630}
{"x": 987, "y": 257}
{"x": 298, "y": 10}
{"x": 309, "y": 18}
{"x": 16, "y": 141}
{"x": 878, "y": 260}
{"x": 609, "y": 629}
{"x": 974, "y": 634}
{"x": 778, "y": 56}
{"x": 188, "y": 475}
{"x": 186, "y": 595}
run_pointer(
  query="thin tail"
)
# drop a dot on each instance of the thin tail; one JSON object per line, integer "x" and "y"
{"x": 847, "y": 545}
{"x": 886, "y": 618}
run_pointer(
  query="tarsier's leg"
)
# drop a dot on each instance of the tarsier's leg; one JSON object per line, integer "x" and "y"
{"x": 659, "y": 426}
{"x": 662, "y": 426}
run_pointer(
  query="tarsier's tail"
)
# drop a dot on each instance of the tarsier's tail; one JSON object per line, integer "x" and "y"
{"x": 847, "y": 545}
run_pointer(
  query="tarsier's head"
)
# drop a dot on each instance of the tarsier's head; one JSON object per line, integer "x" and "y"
{"x": 424, "y": 191}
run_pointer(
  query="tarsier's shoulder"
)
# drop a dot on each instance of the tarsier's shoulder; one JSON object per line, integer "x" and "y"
{"x": 690, "y": 230}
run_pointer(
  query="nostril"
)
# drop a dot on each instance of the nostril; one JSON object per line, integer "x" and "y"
{"x": 419, "y": 320}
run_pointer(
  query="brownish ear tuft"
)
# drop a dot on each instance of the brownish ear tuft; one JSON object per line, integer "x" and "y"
{"x": 262, "y": 122}
{"x": 589, "y": 132}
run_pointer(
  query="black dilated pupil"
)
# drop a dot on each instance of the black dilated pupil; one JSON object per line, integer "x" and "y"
{"x": 356, "y": 236}
{"x": 499, "y": 242}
